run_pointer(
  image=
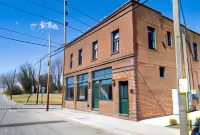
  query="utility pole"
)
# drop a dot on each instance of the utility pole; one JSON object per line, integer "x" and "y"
{"x": 63, "y": 83}
{"x": 13, "y": 84}
{"x": 38, "y": 82}
{"x": 182, "y": 99}
{"x": 49, "y": 69}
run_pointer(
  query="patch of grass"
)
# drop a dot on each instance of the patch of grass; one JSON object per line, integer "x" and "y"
{"x": 54, "y": 99}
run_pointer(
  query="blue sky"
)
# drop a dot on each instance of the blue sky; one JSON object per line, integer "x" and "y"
{"x": 13, "y": 54}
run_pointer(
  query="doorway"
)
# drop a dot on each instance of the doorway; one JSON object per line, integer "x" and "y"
{"x": 123, "y": 98}
{"x": 95, "y": 95}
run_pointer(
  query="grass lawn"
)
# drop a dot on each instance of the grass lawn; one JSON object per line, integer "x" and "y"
{"x": 54, "y": 99}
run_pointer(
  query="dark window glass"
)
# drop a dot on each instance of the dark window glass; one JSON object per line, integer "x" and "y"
{"x": 94, "y": 50}
{"x": 169, "y": 38}
{"x": 71, "y": 60}
{"x": 101, "y": 74}
{"x": 196, "y": 56}
{"x": 80, "y": 57}
{"x": 70, "y": 88}
{"x": 82, "y": 87}
{"x": 151, "y": 38}
{"x": 162, "y": 72}
{"x": 115, "y": 41}
{"x": 106, "y": 90}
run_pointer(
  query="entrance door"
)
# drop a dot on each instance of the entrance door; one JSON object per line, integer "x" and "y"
{"x": 123, "y": 98}
{"x": 95, "y": 95}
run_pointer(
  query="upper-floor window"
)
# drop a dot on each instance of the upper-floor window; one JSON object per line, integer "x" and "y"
{"x": 70, "y": 88}
{"x": 152, "y": 38}
{"x": 94, "y": 50}
{"x": 82, "y": 87}
{"x": 80, "y": 57}
{"x": 169, "y": 39}
{"x": 196, "y": 56}
{"x": 162, "y": 72}
{"x": 71, "y": 60}
{"x": 115, "y": 41}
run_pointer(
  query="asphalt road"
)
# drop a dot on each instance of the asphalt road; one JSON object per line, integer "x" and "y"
{"x": 14, "y": 120}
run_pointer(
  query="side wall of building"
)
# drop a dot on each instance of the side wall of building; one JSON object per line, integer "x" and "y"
{"x": 155, "y": 93}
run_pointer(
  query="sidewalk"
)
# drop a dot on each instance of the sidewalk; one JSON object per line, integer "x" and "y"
{"x": 113, "y": 125}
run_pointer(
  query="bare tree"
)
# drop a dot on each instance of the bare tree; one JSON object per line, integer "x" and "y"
{"x": 6, "y": 80}
{"x": 27, "y": 77}
{"x": 56, "y": 71}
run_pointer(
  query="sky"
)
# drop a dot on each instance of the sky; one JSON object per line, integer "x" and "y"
{"x": 13, "y": 54}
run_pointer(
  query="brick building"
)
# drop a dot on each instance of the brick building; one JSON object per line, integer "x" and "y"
{"x": 125, "y": 66}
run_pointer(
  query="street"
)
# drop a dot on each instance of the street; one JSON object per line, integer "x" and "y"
{"x": 35, "y": 122}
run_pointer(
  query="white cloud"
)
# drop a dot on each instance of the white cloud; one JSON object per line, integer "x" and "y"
{"x": 44, "y": 25}
{"x": 16, "y": 23}
{"x": 48, "y": 25}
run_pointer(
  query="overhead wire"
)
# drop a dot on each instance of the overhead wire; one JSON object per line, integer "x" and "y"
{"x": 39, "y": 16}
{"x": 27, "y": 42}
{"x": 79, "y": 11}
{"x": 20, "y": 33}
{"x": 59, "y": 12}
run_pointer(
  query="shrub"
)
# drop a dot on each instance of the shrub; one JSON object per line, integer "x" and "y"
{"x": 173, "y": 121}
{"x": 16, "y": 91}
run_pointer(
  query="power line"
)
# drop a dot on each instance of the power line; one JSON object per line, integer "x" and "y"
{"x": 38, "y": 16}
{"x": 58, "y": 12}
{"x": 27, "y": 42}
{"x": 79, "y": 11}
{"x": 28, "y": 35}
{"x": 62, "y": 47}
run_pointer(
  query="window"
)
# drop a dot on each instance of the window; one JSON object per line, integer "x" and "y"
{"x": 82, "y": 87}
{"x": 162, "y": 72}
{"x": 102, "y": 74}
{"x": 115, "y": 41}
{"x": 71, "y": 60}
{"x": 104, "y": 80}
{"x": 169, "y": 39}
{"x": 94, "y": 50}
{"x": 152, "y": 38}
{"x": 196, "y": 56}
{"x": 106, "y": 90}
{"x": 70, "y": 88}
{"x": 80, "y": 57}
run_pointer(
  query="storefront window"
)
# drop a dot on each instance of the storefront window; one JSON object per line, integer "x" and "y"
{"x": 70, "y": 88}
{"x": 104, "y": 79}
{"x": 106, "y": 90}
{"x": 82, "y": 87}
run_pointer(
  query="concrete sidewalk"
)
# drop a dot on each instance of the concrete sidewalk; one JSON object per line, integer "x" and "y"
{"x": 113, "y": 125}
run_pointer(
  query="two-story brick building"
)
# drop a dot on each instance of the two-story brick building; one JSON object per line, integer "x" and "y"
{"x": 125, "y": 66}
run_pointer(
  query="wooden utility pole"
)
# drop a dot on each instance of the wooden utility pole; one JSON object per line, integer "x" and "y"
{"x": 38, "y": 82}
{"x": 182, "y": 98}
{"x": 63, "y": 79}
{"x": 49, "y": 69}
{"x": 13, "y": 85}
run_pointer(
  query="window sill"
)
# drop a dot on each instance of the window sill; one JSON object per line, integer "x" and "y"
{"x": 126, "y": 115}
{"x": 106, "y": 100}
{"x": 69, "y": 99}
{"x": 162, "y": 77}
{"x": 94, "y": 60}
{"x": 153, "y": 50}
{"x": 113, "y": 53}
{"x": 81, "y": 100}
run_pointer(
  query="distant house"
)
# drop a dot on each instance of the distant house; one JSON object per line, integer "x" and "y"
{"x": 2, "y": 89}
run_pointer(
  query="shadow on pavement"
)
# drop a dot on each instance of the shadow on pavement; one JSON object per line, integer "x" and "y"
{"x": 30, "y": 123}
